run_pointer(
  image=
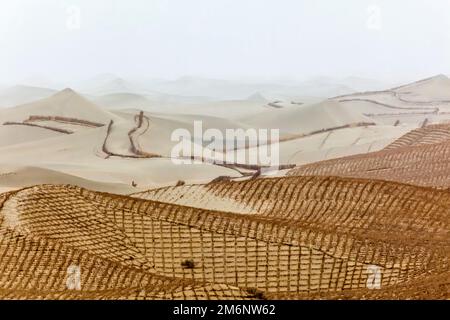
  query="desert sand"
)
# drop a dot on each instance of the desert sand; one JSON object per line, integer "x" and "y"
{"x": 88, "y": 178}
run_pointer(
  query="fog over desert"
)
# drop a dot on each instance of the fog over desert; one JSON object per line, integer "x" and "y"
{"x": 224, "y": 150}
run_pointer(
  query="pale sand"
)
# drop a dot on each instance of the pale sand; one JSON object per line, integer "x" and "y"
{"x": 81, "y": 156}
{"x": 12, "y": 135}
{"x": 16, "y": 95}
{"x": 293, "y": 236}
{"x": 17, "y": 177}
{"x": 436, "y": 88}
{"x": 65, "y": 103}
{"x": 307, "y": 118}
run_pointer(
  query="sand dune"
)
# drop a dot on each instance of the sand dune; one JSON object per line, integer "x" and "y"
{"x": 66, "y": 103}
{"x": 309, "y": 133}
{"x": 17, "y": 95}
{"x": 232, "y": 90}
{"x": 307, "y": 119}
{"x": 228, "y": 109}
{"x": 436, "y": 89}
{"x": 13, "y": 135}
{"x": 275, "y": 253}
{"x": 16, "y": 177}
{"x": 80, "y": 154}
{"x": 419, "y": 158}
{"x": 430, "y": 134}
{"x": 339, "y": 143}
{"x": 122, "y": 101}
{"x": 414, "y": 105}
{"x": 84, "y": 185}
{"x": 110, "y": 84}
{"x": 117, "y": 85}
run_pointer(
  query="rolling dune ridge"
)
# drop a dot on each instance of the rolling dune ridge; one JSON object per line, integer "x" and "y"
{"x": 306, "y": 237}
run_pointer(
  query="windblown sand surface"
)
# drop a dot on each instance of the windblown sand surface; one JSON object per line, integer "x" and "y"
{"x": 88, "y": 180}
{"x": 420, "y": 157}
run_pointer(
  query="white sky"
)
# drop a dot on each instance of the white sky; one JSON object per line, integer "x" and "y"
{"x": 224, "y": 38}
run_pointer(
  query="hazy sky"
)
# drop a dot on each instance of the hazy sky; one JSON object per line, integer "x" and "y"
{"x": 224, "y": 38}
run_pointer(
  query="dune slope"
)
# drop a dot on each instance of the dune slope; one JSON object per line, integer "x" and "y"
{"x": 420, "y": 157}
{"x": 305, "y": 237}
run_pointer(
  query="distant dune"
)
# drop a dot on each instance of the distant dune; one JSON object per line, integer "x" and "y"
{"x": 122, "y": 101}
{"x": 437, "y": 88}
{"x": 15, "y": 177}
{"x": 235, "y": 90}
{"x": 348, "y": 125}
{"x": 66, "y": 103}
{"x": 309, "y": 118}
{"x": 17, "y": 95}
